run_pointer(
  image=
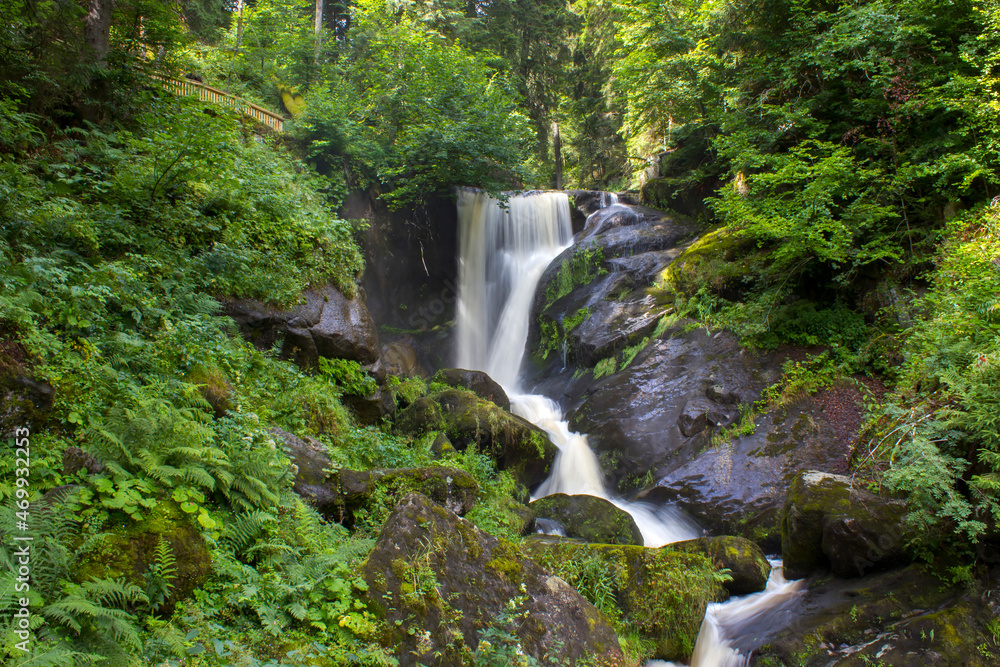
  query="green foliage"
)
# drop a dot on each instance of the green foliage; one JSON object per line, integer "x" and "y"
{"x": 937, "y": 439}
{"x": 415, "y": 112}
{"x": 349, "y": 376}
{"x": 604, "y": 367}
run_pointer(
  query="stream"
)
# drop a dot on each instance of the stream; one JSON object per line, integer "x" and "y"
{"x": 502, "y": 255}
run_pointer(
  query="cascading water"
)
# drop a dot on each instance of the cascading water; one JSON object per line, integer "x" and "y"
{"x": 729, "y": 626}
{"x": 503, "y": 254}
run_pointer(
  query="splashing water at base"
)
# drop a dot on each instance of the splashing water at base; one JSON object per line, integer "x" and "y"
{"x": 576, "y": 471}
{"x": 732, "y": 629}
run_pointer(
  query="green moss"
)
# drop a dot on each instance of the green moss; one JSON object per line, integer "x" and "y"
{"x": 579, "y": 269}
{"x": 553, "y": 335}
{"x": 128, "y": 551}
{"x": 655, "y": 596}
{"x": 605, "y": 367}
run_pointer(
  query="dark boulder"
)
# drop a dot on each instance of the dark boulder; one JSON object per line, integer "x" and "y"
{"x": 588, "y": 518}
{"x": 311, "y": 466}
{"x": 829, "y": 522}
{"x": 327, "y": 324}
{"x": 339, "y": 494}
{"x": 466, "y": 419}
{"x": 478, "y": 382}
{"x": 900, "y": 618}
{"x": 75, "y": 459}
{"x": 440, "y": 583}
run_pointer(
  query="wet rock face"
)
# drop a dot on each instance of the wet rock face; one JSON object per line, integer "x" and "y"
{"x": 642, "y": 418}
{"x": 590, "y": 301}
{"x": 512, "y": 442}
{"x": 739, "y": 487}
{"x": 901, "y": 618}
{"x": 440, "y": 583}
{"x": 589, "y": 518}
{"x": 829, "y": 522}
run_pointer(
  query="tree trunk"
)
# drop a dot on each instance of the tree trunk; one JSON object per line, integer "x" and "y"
{"x": 557, "y": 150}
{"x": 319, "y": 29}
{"x": 97, "y": 29}
{"x": 239, "y": 24}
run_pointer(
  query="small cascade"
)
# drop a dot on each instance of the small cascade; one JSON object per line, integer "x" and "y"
{"x": 503, "y": 256}
{"x": 608, "y": 199}
{"x": 732, "y": 629}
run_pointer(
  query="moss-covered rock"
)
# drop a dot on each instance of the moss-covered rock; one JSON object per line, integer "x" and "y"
{"x": 588, "y": 518}
{"x": 126, "y": 552}
{"x": 659, "y": 593}
{"x": 746, "y": 562}
{"x": 478, "y": 382}
{"x": 829, "y": 522}
{"x": 440, "y": 583}
{"x": 515, "y": 445}
{"x": 901, "y": 618}
{"x": 377, "y": 491}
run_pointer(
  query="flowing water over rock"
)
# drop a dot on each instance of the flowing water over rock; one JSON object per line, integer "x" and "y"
{"x": 732, "y": 629}
{"x": 503, "y": 254}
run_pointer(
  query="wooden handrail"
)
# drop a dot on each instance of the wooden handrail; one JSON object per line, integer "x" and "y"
{"x": 207, "y": 93}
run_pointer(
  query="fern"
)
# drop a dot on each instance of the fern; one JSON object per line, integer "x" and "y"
{"x": 161, "y": 574}
{"x": 241, "y": 533}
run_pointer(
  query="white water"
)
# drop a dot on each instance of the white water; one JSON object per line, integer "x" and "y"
{"x": 503, "y": 254}
{"x": 727, "y": 623}
{"x": 502, "y": 257}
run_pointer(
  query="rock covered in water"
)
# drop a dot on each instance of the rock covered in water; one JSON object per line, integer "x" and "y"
{"x": 440, "y": 583}
{"x": 829, "y": 522}
{"x": 746, "y": 562}
{"x": 661, "y": 593}
{"x": 478, "y": 382}
{"x": 515, "y": 444}
{"x": 588, "y": 518}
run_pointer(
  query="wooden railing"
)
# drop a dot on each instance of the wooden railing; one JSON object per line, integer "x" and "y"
{"x": 207, "y": 93}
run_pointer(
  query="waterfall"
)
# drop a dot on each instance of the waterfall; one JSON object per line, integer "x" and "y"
{"x": 503, "y": 254}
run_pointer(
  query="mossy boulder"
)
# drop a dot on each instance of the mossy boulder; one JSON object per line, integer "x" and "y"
{"x": 126, "y": 552}
{"x": 829, "y": 522}
{"x": 900, "y": 618}
{"x": 746, "y": 562}
{"x": 661, "y": 594}
{"x": 311, "y": 465}
{"x": 379, "y": 490}
{"x": 515, "y": 444}
{"x": 339, "y": 494}
{"x": 440, "y": 583}
{"x": 588, "y": 518}
{"x": 478, "y": 382}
